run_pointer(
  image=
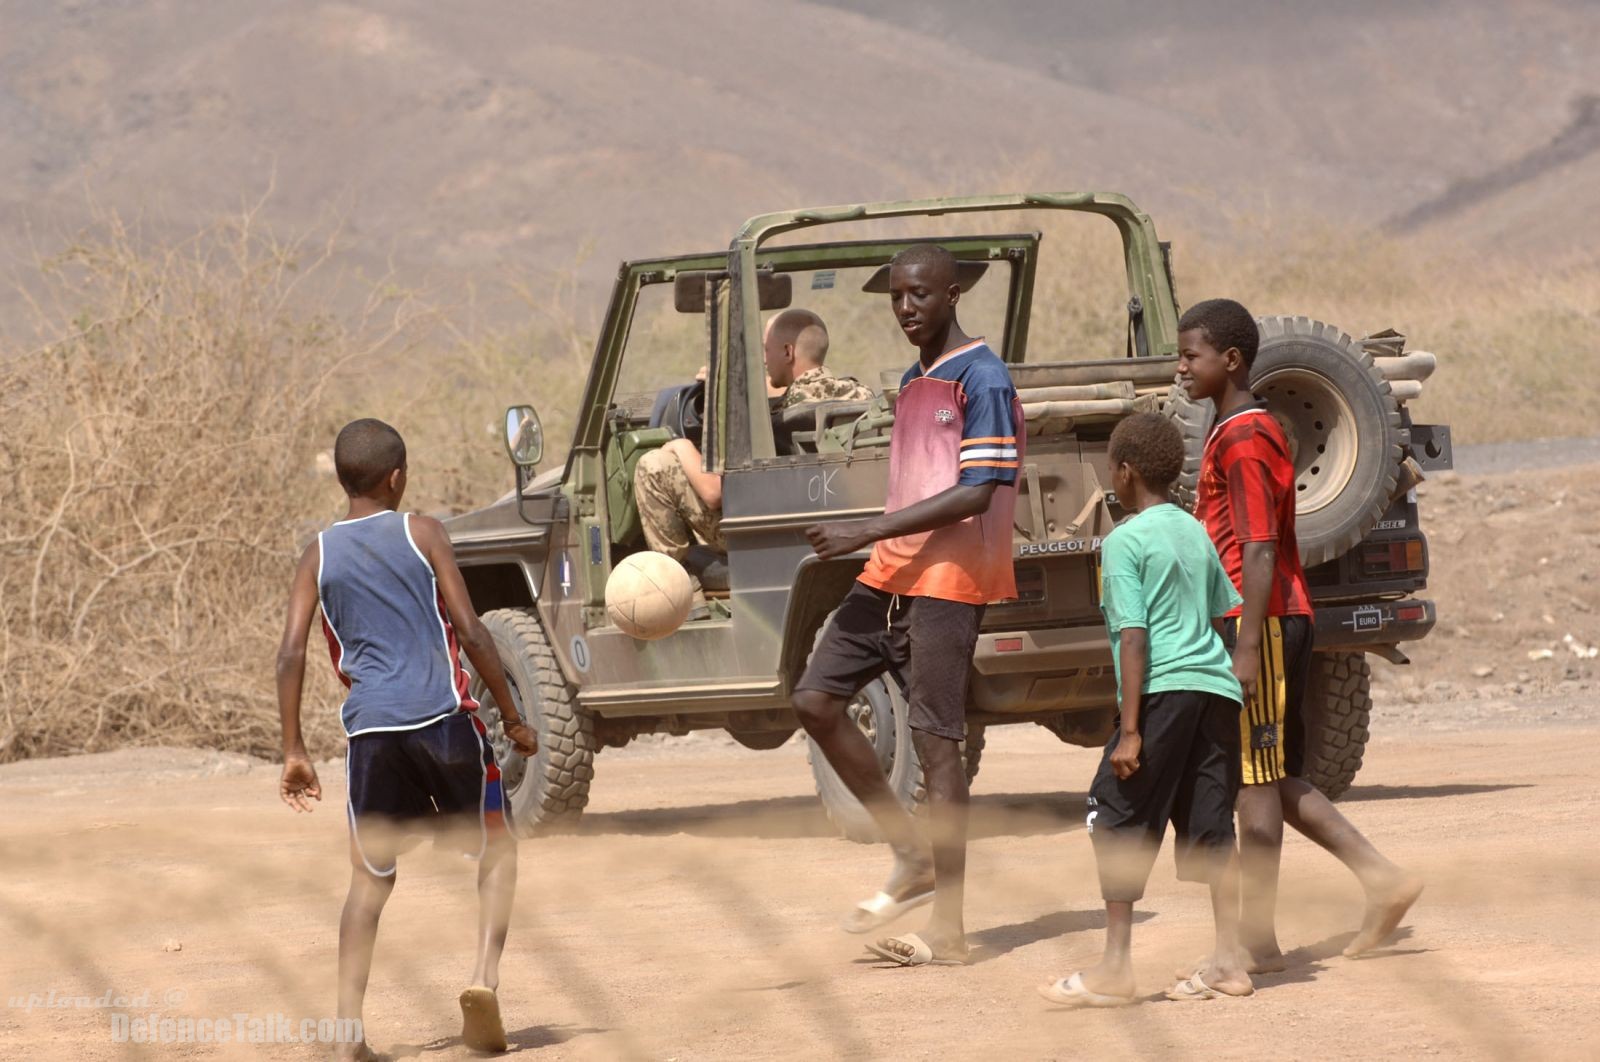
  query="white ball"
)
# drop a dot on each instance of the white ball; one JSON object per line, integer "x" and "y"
{"x": 648, "y": 595}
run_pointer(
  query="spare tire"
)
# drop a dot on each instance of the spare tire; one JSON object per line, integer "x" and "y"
{"x": 1343, "y": 426}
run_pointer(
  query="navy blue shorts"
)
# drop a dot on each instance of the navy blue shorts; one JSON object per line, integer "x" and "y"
{"x": 440, "y": 775}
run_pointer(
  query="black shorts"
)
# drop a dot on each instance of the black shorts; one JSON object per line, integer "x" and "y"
{"x": 1272, "y": 730}
{"x": 442, "y": 774}
{"x": 1188, "y": 775}
{"x": 925, "y": 643}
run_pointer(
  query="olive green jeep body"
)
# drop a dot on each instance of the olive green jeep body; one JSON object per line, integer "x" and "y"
{"x": 537, "y": 561}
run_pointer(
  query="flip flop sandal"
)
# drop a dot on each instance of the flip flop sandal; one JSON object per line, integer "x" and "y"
{"x": 481, "y": 1028}
{"x": 1194, "y": 989}
{"x": 881, "y": 910}
{"x": 1071, "y": 992}
{"x": 921, "y": 953}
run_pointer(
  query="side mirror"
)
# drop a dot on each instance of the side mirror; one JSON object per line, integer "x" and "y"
{"x": 524, "y": 436}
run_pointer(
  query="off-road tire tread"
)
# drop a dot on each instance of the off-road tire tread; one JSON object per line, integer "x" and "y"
{"x": 565, "y": 731}
{"x": 1339, "y": 708}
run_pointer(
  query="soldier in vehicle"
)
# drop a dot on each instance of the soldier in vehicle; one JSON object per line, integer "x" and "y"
{"x": 677, "y": 500}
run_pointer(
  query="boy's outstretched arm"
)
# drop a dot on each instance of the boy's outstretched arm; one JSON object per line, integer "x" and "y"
{"x": 470, "y": 631}
{"x": 949, "y": 506}
{"x": 299, "y": 779}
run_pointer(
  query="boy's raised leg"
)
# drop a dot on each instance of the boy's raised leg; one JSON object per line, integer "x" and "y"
{"x": 1390, "y": 890}
{"x": 850, "y": 755}
{"x": 358, "y": 932}
{"x": 481, "y": 1026}
{"x": 1260, "y": 851}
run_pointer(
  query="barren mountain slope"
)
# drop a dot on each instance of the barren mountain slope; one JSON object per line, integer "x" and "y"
{"x": 456, "y": 138}
{"x": 1467, "y": 119}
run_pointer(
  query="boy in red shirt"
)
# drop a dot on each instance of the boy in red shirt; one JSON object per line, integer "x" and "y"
{"x": 1246, "y": 501}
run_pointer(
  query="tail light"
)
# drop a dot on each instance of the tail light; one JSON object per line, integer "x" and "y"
{"x": 1394, "y": 557}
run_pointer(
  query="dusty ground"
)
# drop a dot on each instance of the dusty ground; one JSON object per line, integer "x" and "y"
{"x": 692, "y": 917}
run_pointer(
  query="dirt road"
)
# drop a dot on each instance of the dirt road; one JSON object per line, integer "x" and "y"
{"x": 693, "y": 915}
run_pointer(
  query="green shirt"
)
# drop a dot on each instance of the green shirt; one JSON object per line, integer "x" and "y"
{"x": 1159, "y": 571}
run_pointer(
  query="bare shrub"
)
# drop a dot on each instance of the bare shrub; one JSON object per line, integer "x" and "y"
{"x": 157, "y": 465}
{"x": 162, "y": 429}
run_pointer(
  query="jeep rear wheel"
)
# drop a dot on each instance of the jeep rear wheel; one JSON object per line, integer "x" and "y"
{"x": 1338, "y": 706}
{"x": 551, "y": 787}
{"x": 880, "y": 712}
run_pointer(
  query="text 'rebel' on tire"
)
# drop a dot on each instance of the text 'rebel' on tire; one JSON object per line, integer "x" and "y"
{"x": 550, "y": 788}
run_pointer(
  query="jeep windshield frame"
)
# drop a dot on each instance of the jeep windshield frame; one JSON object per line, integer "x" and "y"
{"x": 747, "y": 430}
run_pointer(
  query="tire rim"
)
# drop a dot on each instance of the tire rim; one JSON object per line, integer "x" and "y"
{"x": 1322, "y": 432}
{"x": 513, "y": 768}
{"x": 865, "y": 717}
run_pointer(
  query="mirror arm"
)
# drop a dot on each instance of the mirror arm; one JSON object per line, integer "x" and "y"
{"x": 522, "y": 486}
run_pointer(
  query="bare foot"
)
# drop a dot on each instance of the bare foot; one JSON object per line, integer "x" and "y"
{"x": 481, "y": 1028}
{"x": 1246, "y": 962}
{"x": 1115, "y": 979}
{"x": 1228, "y": 976}
{"x": 1384, "y": 912}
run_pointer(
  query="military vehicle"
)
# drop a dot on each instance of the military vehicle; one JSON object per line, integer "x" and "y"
{"x": 536, "y": 562}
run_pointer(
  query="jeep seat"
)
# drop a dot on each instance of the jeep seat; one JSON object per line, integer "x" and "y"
{"x": 796, "y": 430}
{"x": 624, "y": 448}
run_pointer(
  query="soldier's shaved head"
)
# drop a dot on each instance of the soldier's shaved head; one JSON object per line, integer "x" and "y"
{"x": 805, "y": 330}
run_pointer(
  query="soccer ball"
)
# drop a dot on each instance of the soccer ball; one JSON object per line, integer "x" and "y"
{"x": 648, "y": 595}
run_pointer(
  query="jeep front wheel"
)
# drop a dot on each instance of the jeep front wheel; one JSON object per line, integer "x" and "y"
{"x": 1338, "y": 705}
{"x": 551, "y": 787}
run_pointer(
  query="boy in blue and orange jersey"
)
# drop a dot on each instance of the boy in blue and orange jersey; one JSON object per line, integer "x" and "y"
{"x": 941, "y": 552}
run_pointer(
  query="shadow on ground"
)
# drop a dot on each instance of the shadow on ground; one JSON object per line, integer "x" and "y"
{"x": 1424, "y": 792}
{"x": 776, "y": 818}
{"x": 528, "y": 1039}
{"x": 993, "y": 814}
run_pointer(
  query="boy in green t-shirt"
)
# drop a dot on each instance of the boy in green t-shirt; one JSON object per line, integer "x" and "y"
{"x": 1175, "y": 755}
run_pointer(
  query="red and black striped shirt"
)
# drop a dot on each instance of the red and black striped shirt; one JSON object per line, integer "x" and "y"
{"x": 1246, "y": 494}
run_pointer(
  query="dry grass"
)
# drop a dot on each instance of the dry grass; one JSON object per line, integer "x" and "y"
{"x": 162, "y": 427}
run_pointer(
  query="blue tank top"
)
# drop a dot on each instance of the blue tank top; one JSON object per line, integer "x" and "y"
{"x": 392, "y": 643}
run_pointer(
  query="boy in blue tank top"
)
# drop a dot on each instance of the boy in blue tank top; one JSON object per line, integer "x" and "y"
{"x": 396, "y": 614}
{"x": 1174, "y": 756}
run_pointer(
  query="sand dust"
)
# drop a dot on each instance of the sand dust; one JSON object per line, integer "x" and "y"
{"x": 693, "y": 916}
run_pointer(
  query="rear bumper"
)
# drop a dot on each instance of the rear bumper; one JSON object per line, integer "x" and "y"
{"x": 1352, "y": 627}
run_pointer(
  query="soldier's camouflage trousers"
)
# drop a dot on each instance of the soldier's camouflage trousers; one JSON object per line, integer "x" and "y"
{"x": 670, "y": 510}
